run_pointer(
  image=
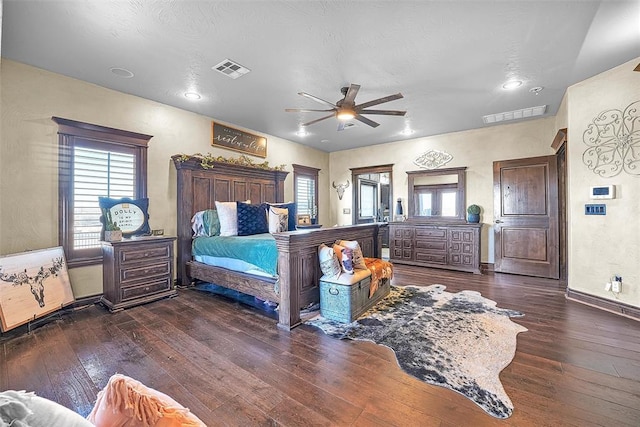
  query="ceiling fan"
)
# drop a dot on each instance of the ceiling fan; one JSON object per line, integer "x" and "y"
{"x": 346, "y": 108}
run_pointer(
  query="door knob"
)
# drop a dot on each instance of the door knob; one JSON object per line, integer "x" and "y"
{"x": 498, "y": 221}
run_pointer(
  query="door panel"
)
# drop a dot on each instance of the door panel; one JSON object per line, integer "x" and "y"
{"x": 526, "y": 216}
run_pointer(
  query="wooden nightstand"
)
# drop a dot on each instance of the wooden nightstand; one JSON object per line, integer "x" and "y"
{"x": 136, "y": 271}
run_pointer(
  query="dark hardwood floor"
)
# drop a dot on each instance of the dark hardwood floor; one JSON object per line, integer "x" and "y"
{"x": 575, "y": 366}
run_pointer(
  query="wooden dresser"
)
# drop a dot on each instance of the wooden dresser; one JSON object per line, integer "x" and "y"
{"x": 137, "y": 271}
{"x": 442, "y": 245}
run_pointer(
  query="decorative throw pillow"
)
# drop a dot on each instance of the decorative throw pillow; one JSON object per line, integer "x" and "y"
{"x": 228, "y": 216}
{"x": 358, "y": 258}
{"x": 205, "y": 223}
{"x": 21, "y": 408}
{"x": 127, "y": 402}
{"x": 329, "y": 264}
{"x": 211, "y": 222}
{"x": 252, "y": 219}
{"x": 278, "y": 220}
{"x": 291, "y": 207}
{"x": 345, "y": 256}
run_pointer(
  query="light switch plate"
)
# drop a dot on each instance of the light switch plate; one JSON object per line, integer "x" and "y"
{"x": 346, "y": 211}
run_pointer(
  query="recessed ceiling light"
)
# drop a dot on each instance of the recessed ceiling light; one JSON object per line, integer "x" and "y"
{"x": 192, "y": 95}
{"x": 407, "y": 132}
{"x": 121, "y": 72}
{"x": 302, "y": 132}
{"x": 512, "y": 84}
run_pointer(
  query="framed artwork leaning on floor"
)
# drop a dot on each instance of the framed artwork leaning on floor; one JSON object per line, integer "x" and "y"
{"x": 32, "y": 285}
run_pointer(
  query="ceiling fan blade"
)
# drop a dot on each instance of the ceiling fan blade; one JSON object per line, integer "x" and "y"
{"x": 350, "y": 96}
{"x": 315, "y": 98}
{"x": 384, "y": 112}
{"x": 366, "y": 121}
{"x": 378, "y": 101}
{"x": 317, "y": 120}
{"x": 304, "y": 110}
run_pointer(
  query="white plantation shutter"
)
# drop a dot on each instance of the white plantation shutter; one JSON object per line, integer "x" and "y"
{"x": 97, "y": 173}
{"x": 305, "y": 195}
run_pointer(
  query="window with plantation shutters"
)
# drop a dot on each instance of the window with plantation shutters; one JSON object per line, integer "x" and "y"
{"x": 306, "y": 190}
{"x": 94, "y": 161}
{"x": 98, "y": 173}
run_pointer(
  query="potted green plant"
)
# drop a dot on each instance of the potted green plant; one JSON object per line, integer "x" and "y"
{"x": 112, "y": 233}
{"x": 473, "y": 213}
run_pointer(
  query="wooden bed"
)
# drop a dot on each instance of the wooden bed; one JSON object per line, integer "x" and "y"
{"x": 298, "y": 266}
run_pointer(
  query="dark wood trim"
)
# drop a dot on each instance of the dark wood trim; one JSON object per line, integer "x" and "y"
{"x": 637, "y": 68}
{"x": 306, "y": 171}
{"x": 486, "y": 267}
{"x": 355, "y": 193}
{"x": 560, "y": 139}
{"x": 616, "y": 307}
{"x": 91, "y": 131}
{"x": 70, "y": 134}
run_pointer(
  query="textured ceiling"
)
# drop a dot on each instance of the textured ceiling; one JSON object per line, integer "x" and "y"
{"x": 448, "y": 58}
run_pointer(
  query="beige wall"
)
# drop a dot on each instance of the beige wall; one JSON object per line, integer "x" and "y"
{"x": 476, "y": 149}
{"x": 601, "y": 246}
{"x": 28, "y": 156}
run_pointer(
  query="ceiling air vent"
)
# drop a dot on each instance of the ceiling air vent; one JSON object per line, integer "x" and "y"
{"x": 515, "y": 114}
{"x": 231, "y": 69}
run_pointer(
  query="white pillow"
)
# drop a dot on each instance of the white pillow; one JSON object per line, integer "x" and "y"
{"x": 329, "y": 264}
{"x": 358, "y": 258}
{"x": 228, "y": 215}
{"x": 278, "y": 220}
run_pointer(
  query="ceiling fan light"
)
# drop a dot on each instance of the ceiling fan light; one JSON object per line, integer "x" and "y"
{"x": 345, "y": 114}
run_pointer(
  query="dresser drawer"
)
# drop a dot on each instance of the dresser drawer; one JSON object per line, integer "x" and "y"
{"x": 431, "y": 257}
{"x": 437, "y": 245}
{"x": 431, "y": 233}
{"x": 145, "y": 271}
{"x": 148, "y": 288}
{"x": 129, "y": 255}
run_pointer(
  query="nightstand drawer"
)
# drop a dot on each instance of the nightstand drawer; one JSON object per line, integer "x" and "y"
{"x": 148, "y": 288}
{"x": 147, "y": 253}
{"x": 145, "y": 271}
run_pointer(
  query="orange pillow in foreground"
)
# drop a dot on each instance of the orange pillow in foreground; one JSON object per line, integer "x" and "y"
{"x": 125, "y": 402}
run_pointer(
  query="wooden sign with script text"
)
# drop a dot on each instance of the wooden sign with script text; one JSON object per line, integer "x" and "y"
{"x": 237, "y": 140}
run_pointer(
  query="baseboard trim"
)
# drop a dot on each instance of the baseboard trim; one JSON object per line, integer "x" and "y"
{"x": 487, "y": 267}
{"x": 616, "y": 307}
{"x": 84, "y": 302}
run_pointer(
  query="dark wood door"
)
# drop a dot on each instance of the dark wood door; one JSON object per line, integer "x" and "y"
{"x": 525, "y": 193}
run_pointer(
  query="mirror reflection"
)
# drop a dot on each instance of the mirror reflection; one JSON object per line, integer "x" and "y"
{"x": 437, "y": 195}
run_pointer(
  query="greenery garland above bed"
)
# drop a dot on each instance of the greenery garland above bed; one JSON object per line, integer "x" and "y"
{"x": 207, "y": 161}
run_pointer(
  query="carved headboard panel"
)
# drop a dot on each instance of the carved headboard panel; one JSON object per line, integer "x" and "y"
{"x": 198, "y": 188}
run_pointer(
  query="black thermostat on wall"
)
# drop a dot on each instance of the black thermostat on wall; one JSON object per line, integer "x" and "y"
{"x": 603, "y": 192}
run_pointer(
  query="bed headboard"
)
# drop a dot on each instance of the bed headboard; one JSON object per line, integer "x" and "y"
{"x": 198, "y": 188}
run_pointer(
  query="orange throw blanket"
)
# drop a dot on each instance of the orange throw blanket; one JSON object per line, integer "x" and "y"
{"x": 379, "y": 270}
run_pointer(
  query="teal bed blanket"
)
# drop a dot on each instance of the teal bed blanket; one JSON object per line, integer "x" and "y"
{"x": 257, "y": 249}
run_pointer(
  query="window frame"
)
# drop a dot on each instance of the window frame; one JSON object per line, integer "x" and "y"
{"x": 300, "y": 171}
{"x": 70, "y": 134}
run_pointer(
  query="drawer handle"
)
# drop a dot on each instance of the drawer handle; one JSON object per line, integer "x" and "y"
{"x": 334, "y": 291}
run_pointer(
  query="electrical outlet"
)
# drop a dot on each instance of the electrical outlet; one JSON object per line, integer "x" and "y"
{"x": 158, "y": 232}
{"x": 616, "y": 286}
{"x": 346, "y": 211}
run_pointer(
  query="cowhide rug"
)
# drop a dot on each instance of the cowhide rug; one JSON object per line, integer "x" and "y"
{"x": 459, "y": 341}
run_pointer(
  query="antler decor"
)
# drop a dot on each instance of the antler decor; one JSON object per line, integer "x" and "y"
{"x": 614, "y": 142}
{"x": 340, "y": 188}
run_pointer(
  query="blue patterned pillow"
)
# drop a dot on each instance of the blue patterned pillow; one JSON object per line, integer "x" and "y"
{"x": 292, "y": 212}
{"x": 252, "y": 219}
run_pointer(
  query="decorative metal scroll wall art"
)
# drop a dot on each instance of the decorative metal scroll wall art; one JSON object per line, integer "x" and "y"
{"x": 433, "y": 159}
{"x": 614, "y": 142}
